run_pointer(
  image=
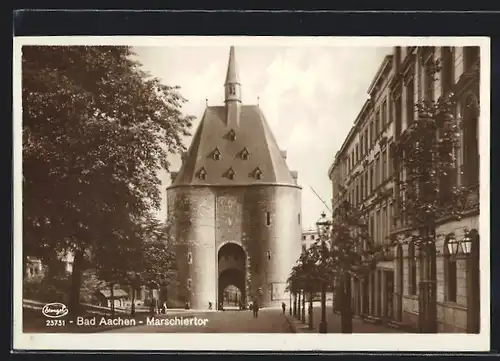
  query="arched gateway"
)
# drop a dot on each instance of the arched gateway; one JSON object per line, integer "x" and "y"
{"x": 234, "y": 186}
{"x": 231, "y": 272}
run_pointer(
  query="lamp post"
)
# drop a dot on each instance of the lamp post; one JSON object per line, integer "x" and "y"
{"x": 468, "y": 248}
{"x": 324, "y": 228}
{"x": 290, "y": 307}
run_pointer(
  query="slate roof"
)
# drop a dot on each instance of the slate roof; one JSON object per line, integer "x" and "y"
{"x": 252, "y": 135}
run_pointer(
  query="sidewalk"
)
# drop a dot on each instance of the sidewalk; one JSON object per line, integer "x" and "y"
{"x": 334, "y": 324}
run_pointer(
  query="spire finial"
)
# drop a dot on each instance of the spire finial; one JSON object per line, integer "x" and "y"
{"x": 232, "y": 70}
{"x": 206, "y": 102}
{"x": 258, "y": 100}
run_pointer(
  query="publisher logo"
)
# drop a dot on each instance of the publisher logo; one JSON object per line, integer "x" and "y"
{"x": 55, "y": 310}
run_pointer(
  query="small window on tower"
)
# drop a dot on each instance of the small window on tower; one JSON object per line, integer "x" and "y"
{"x": 244, "y": 154}
{"x": 268, "y": 255}
{"x": 202, "y": 174}
{"x": 190, "y": 258}
{"x": 189, "y": 284}
{"x": 268, "y": 218}
{"x": 232, "y": 90}
{"x": 216, "y": 154}
{"x": 231, "y": 135}
{"x": 258, "y": 174}
{"x": 230, "y": 173}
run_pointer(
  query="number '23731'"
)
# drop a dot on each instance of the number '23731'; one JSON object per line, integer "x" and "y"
{"x": 55, "y": 323}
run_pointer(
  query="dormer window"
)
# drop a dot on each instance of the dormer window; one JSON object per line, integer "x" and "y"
{"x": 244, "y": 154}
{"x": 230, "y": 173}
{"x": 216, "y": 154}
{"x": 202, "y": 174}
{"x": 257, "y": 173}
{"x": 231, "y": 135}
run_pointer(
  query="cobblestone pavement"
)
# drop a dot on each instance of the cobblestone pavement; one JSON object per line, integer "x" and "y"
{"x": 269, "y": 321}
{"x": 333, "y": 323}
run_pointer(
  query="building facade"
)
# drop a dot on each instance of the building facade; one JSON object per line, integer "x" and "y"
{"x": 309, "y": 236}
{"x": 234, "y": 206}
{"x": 367, "y": 173}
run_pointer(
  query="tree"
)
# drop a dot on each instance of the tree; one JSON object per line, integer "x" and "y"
{"x": 96, "y": 132}
{"x": 352, "y": 253}
{"x": 426, "y": 158}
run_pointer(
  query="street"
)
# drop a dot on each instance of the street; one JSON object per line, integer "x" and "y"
{"x": 333, "y": 323}
{"x": 269, "y": 321}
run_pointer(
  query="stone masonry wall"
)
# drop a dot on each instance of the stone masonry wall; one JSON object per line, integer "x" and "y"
{"x": 206, "y": 218}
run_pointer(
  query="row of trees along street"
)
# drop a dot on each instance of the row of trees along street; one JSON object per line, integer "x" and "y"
{"x": 426, "y": 153}
{"x": 97, "y": 131}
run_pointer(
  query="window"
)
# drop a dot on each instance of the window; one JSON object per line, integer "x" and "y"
{"x": 361, "y": 186}
{"x": 268, "y": 218}
{"x": 410, "y": 102}
{"x": 312, "y": 237}
{"x": 362, "y": 144}
{"x": 377, "y": 172}
{"x": 244, "y": 154}
{"x": 398, "y": 113}
{"x": 384, "y": 165}
{"x": 190, "y": 258}
{"x": 202, "y": 174}
{"x": 390, "y": 160}
{"x": 372, "y": 133}
{"x": 258, "y": 173}
{"x": 384, "y": 225}
{"x": 216, "y": 154}
{"x": 189, "y": 284}
{"x": 412, "y": 269}
{"x": 298, "y": 218}
{"x": 450, "y": 274}
{"x": 372, "y": 228}
{"x": 230, "y": 173}
{"x": 366, "y": 140}
{"x": 384, "y": 114}
{"x": 447, "y": 69}
{"x": 372, "y": 179}
{"x": 231, "y": 135}
{"x": 303, "y": 238}
{"x": 268, "y": 255}
{"x": 377, "y": 124}
{"x": 470, "y": 142}
{"x": 429, "y": 80}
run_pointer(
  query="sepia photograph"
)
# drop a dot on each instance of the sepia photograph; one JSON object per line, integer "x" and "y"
{"x": 258, "y": 192}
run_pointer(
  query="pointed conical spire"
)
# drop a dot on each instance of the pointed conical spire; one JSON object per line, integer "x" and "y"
{"x": 232, "y": 69}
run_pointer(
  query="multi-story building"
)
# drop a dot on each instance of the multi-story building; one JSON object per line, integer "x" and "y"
{"x": 367, "y": 173}
{"x": 309, "y": 236}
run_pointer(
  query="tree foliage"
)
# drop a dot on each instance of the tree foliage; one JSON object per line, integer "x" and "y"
{"x": 427, "y": 158}
{"x": 96, "y": 132}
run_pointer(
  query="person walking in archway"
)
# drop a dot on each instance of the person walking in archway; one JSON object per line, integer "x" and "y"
{"x": 283, "y": 307}
{"x": 255, "y": 309}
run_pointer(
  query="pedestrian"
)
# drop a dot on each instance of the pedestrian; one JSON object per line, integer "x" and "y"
{"x": 255, "y": 309}
{"x": 283, "y": 307}
{"x": 209, "y": 305}
{"x": 165, "y": 307}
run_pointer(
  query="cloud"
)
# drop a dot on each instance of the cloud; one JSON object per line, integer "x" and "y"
{"x": 310, "y": 96}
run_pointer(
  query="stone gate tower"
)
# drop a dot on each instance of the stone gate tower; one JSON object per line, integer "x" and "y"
{"x": 235, "y": 206}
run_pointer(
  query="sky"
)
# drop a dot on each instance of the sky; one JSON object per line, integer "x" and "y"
{"x": 309, "y": 95}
